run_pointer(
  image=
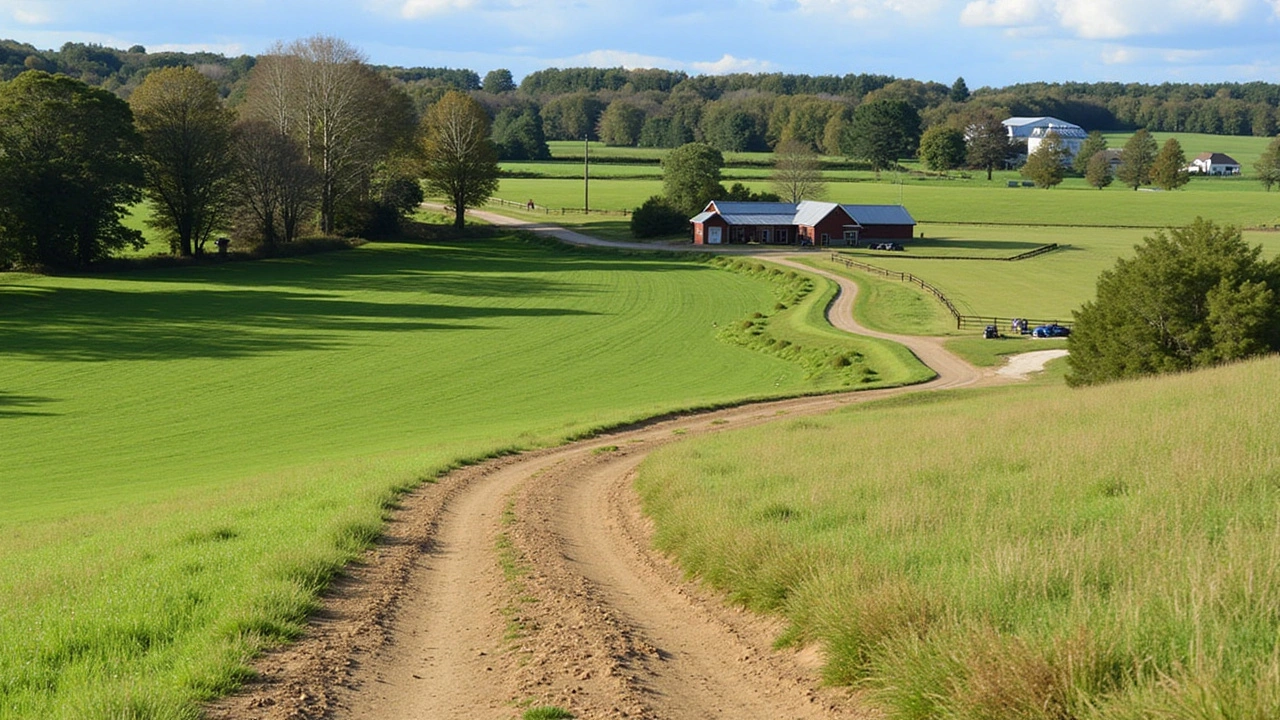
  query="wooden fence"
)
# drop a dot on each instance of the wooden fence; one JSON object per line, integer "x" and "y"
{"x": 555, "y": 211}
{"x": 1014, "y": 258}
{"x": 963, "y": 322}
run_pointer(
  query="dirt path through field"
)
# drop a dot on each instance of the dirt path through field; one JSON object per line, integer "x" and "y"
{"x": 530, "y": 580}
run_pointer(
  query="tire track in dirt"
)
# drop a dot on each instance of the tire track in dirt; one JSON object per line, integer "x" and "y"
{"x": 593, "y": 620}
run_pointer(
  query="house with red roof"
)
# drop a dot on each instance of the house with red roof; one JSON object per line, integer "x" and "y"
{"x": 808, "y": 222}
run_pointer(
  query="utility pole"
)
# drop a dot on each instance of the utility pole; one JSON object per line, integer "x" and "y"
{"x": 586, "y": 175}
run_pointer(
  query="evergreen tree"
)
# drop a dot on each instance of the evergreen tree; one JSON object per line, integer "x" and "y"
{"x": 1092, "y": 145}
{"x": 1169, "y": 171}
{"x": 1136, "y": 159}
{"x": 959, "y": 91}
{"x": 1190, "y": 297}
{"x": 882, "y": 132}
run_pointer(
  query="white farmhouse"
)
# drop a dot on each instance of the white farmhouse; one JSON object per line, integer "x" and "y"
{"x": 1033, "y": 130}
{"x": 1213, "y": 164}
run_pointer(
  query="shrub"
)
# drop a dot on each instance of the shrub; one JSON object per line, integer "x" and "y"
{"x": 656, "y": 218}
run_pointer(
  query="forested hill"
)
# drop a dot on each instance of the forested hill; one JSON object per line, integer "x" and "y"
{"x": 734, "y": 112}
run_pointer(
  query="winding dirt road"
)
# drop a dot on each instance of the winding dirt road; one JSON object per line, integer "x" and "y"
{"x": 530, "y": 580}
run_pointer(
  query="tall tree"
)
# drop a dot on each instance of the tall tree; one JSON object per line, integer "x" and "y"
{"x": 186, "y": 143}
{"x": 1190, "y": 297}
{"x": 882, "y": 132}
{"x": 620, "y": 124}
{"x": 959, "y": 91}
{"x": 1046, "y": 167}
{"x": 461, "y": 162}
{"x": 274, "y": 184}
{"x": 1268, "y": 165}
{"x": 1098, "y": 172}
{"x": 1169, "y": 171}
{"x": 942, "y": 148}
{"x": 797, "y": 172}
{"x": 519, "y": 134}
{"x": 1136, "y": 159}
{"x": 691, "y": 177}
{"x": 1092, "y": 145}
{"x": 499, "y": 81}
{"x": 69, "y": 169}
{"x": 348, "y": 117}
{"x": 988, "y": 141}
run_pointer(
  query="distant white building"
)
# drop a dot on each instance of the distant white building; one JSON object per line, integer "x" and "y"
{"x": 1033, "y": 130}
{"x": 1214, "y": 164}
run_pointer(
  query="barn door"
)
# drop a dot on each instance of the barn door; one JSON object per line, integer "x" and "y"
{"x": 713, "y": 235}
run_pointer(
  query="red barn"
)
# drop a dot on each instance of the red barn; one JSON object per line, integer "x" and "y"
{"x": 806, "y": 223}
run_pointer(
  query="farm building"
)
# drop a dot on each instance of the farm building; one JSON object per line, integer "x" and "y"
{"x": 1213, "y": 164}
{"x": 806, "y": 223}
{"x": 1033, "y": 130}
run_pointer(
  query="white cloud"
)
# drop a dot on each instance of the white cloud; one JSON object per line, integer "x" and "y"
{"x": 1001, "y": 13}
{"x": 414, "y": 9}
{"x": 1110, "y": 19}
{"x": 731, "y": 64}
{"x": 1118, "y": 56}
{"x": 28, "y": 12}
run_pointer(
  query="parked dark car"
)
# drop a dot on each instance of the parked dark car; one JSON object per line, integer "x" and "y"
{"x": 1051, "y": 330}
{"x": 886, "y": 246}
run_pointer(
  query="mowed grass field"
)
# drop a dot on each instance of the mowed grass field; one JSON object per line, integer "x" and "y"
{"x": 1025, "y": 552}
{"x": 189, "y": 455}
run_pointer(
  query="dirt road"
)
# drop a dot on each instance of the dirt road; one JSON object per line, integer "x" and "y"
{"x": 530, "y": 581}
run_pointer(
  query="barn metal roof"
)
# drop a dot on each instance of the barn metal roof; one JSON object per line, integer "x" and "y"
{"x": 880, "y": 214}
{"x": 808, "y": 213}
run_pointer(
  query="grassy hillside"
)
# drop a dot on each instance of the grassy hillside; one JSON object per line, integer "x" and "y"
{"x": 1109, "y": 553}
{"x": 190, "y": 454}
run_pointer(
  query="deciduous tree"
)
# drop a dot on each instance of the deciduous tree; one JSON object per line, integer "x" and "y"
{"x": 461, "y": 162}
{"x": 691, "y": 177}
{"x": 1190, "y": 297}
{"x": 1268, "y": 165}
{"x": 1046, "y": 167}
{"x": 1098, "y": 172}
{"x": 1169, "y": 171}
{"x": 797, "y": 172}
{"x": 186, "y": 142}
{"x": 620, "y": 124}
{"x": 69, "y": 170}
{"x": 1136, "y": 159}
{"x": 518, "y": 134}
{"x": 274, "y": 185}
{"x": 499, "y": 81}
{"x": 988, "y": 142}
{"x": 942, "y": 148}
{"x": 348, "y": 117}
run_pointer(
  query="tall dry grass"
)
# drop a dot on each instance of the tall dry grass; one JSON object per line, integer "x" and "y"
{"x": 1111, "y": 553}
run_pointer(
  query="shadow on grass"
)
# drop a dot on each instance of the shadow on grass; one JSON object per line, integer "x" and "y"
{"x": 13, "y": 405}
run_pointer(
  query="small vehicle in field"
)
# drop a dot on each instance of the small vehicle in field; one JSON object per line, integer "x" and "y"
{"x": 886, "y": 246}
{"x": 990, "y": 332}
{"x": 1051, "y": 330}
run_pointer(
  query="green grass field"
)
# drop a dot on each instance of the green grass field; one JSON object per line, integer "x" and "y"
{"x": 190, "y": 454}
{"x": 1023, "y": 552}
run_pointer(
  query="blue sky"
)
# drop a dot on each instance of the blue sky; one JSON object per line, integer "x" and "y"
{"x": 988, "y": 42}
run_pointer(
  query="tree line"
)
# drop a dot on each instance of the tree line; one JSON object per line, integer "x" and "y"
{"x": 320, "y": 141}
